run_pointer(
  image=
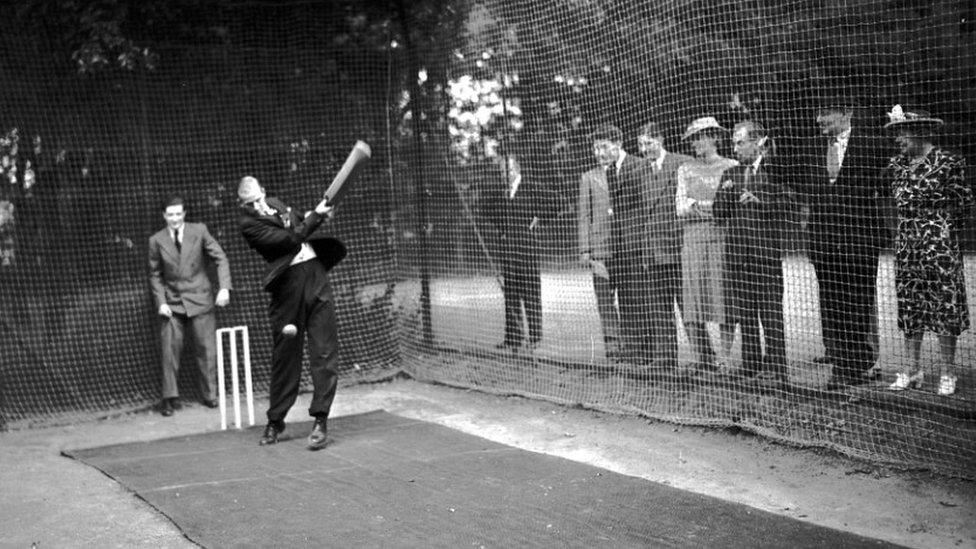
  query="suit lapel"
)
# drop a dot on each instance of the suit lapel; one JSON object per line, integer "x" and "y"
{"x": 599, "y": 181}
{"x": 662, "y": 180}
{"x": 189, "y": 239}
{"x": 274, "y": 219}
{"x": 282, "y": 210}
{"x": 669, "y": 166}
{"x": 167, "y": 245}
{"x": 850, "y": 156}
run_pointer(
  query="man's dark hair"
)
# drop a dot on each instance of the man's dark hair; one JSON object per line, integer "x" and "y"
{"x": 607, "y": 132}
{"x": 174, "y": 200}
{"x": 652, "y": 129}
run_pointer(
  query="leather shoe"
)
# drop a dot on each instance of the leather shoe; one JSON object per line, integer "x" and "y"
{"x": 271, "y": 432}
{"x": 175, "y": 403}
{"x": 166, "y": 408}
{"x": 316, "y": 439}
{"x": 210, "y": 402}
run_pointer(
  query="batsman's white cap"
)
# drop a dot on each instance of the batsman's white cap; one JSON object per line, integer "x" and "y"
{"x": 249, "y": 190}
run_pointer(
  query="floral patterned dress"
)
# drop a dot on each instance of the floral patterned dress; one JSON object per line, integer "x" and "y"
{"x": 931, "y": 196}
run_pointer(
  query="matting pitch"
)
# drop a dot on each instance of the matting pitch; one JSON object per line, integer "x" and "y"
{"x": 390, "y": 481}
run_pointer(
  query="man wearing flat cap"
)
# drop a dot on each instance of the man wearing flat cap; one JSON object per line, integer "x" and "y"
{"x": 299, "y": 255}
{"x": 844, "y": 192}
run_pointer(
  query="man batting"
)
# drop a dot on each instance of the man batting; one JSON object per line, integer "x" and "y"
{"x": 299, "y": 257}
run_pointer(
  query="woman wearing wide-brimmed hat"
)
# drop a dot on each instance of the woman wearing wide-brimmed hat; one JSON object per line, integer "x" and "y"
{"x": 930, "y": 191}
{"x": 703, "y": 243}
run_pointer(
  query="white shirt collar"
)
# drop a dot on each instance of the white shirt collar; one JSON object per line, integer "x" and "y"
{"x": 755, "y": 165}
{"x": 659, "y": 161}
{"x": 514, "y": 185}
{"x": 620, "y": 161}
{"x": 843, "y": 137}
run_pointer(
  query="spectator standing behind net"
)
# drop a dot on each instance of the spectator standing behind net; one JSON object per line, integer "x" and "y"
{"x": 932, "y": 196}
{"x": 179, "y": 255}
{"x": 593, "y": 220}
{"x": 663, "y": 245}
{"x": 703, "y": 244}
{"x": 516, "y": 211}
{"x": 846, "y": 232}
{"x": 751, "y": 204}
{"x": 627, "y": 181}
{"x": 300, "y": 253}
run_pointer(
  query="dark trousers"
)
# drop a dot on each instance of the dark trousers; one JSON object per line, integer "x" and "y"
{"x": 663, "y": 284}
{"x": 632, "y": 295}
{"x": 757, "y": 300}
{"x": 847, "y": 284}
{"x": 303, "y": 298}
{"x": 171, "y": 333}
{"x": 522, "y": 288}
{"x": 606, "y": 306}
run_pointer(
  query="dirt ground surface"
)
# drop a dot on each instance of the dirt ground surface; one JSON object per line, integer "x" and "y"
{"x": 53, "y": 501}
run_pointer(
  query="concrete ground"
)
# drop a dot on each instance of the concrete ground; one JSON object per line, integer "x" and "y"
{"x": 53, "y": 501}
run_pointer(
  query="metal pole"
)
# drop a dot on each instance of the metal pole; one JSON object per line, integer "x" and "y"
{"x": 416, "y": 109}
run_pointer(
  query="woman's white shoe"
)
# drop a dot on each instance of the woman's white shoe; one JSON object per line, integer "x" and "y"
{"x": 901, "y": 382}
{"x": 947, "y": 385}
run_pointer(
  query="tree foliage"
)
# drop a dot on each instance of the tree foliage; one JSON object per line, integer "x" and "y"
{"x": 584, "y": 62}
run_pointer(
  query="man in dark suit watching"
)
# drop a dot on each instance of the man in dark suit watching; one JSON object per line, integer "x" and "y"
{"x": 516, "y": 212}
{"x": 179, "y": 255}
{"x": 846, "y": 231}
{"x": 663, "y": 244}
{"x": 626, "y": 177}
{"x": 299, "y": 257}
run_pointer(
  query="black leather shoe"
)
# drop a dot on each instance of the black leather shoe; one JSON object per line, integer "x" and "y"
{"x": 316, "y": 439}
{"x": 175, "y": 403}
{"x": 271, "y": 432}
{"x": 210, "y": 402}
{"x": 166, "y": 408}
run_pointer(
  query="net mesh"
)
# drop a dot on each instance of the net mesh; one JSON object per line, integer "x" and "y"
{"x": 471, "y": 98}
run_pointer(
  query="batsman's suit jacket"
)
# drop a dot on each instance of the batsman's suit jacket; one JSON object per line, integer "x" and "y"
{"x": 279, "y": 244}
{"x": 179, "y": 279}
{"x": 594, "y": 214}
{"x": 663, "y": 244}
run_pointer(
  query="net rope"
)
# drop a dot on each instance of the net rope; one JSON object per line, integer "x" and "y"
{"x": 472, "y": 98}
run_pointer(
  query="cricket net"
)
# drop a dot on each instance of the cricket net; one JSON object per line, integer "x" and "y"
{"x": 100, "y": 127}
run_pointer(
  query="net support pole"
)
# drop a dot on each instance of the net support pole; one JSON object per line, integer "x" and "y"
{"x": 417, "y": 110}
